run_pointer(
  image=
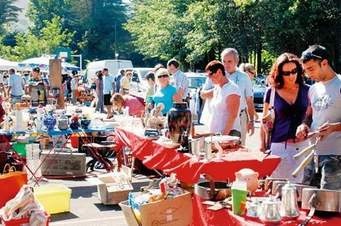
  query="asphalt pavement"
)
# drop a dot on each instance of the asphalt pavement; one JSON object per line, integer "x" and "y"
{"x": 86, "y": 208}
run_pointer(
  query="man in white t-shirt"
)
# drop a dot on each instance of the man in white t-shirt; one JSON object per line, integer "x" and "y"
{"x": 324, "y": 116}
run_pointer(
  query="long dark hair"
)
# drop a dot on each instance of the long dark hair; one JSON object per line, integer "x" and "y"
{"x": 99, "y": 75}
{"x": 277, "y": 69}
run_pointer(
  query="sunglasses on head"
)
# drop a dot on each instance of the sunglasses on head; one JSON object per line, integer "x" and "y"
{"x": 306, "y": 56}
{"x": 162, "y": 76}
{"x": 288, "y": 73}
{"x": 210, "y": 74}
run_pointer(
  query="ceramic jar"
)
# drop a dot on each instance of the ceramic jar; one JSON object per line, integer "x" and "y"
{"x": 179, "y": 124}
{"x": 250, "y": 177}
{"x": 49, "y": 121}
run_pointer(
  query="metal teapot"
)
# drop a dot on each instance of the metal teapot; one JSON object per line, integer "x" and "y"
{"x": 289, "y": 206}
{"x": 269, "y": 212}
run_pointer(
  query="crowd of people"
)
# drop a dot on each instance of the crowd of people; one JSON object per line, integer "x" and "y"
{"x": 292, "y": 108}
{"x": 294, "y": 115}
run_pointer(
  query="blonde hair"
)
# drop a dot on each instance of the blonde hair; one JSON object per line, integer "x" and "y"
{"x": 247, "y": 67}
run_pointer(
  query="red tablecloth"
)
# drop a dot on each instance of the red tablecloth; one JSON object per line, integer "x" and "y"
{"x": 204, "y": 217}
{"x": 187, "y": 168}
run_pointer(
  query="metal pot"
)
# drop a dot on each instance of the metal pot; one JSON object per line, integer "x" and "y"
{"x": 321, "y": 199}
{"x": 214, "y": 191}
{"x": 277, "y": 188}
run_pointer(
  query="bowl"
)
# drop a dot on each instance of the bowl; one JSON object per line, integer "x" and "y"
{"x": 222, "y": 190}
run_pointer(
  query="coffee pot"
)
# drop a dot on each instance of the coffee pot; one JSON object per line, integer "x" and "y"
{"x": 269, "y": 212}
{"x": 289, "y": 206}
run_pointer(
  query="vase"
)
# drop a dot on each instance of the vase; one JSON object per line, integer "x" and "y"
{"x": 85, "y": 123}
{"x": 179, "y": 124}
{"x": 74, "y": 125}
{"x": 63, "y": 123}
{"x": 49, "y": 121}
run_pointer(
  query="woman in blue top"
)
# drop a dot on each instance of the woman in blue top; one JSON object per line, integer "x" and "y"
{"x": 290, "y": 103}
{"x": 165, "y": 93}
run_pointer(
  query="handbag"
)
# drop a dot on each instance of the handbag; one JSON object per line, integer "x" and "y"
{"x": 269, "y": 119}
{"x": 10, "y": 183}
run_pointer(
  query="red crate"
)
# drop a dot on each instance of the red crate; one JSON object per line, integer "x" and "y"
{"x": 21, "y": 221}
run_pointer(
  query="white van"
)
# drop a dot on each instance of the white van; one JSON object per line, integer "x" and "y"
{"x": 112, "y": 65}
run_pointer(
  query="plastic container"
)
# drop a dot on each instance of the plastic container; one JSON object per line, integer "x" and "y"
{"x": 20, "y": 148}
{"x": 55, "y": 198}
{"x": 74, "y": 140}
{"x": 21, "y": 221}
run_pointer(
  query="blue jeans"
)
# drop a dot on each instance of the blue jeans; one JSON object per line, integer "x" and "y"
{"x": 328, "y": 174}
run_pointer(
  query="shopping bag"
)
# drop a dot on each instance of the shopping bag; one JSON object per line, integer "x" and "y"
{"x": 10, "y": 184}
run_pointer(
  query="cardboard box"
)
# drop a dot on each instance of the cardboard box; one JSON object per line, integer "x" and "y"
{"x": 170, "y": 212}
{"x": 113, "y": 193}
{"x": 110, "y": 188}
{"x": 63, "y": 164}
{"x": 55, "y": 198}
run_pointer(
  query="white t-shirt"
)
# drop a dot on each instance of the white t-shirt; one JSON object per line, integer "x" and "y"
{"x": 325, "y": 98}
{"x": 242, "y": 80}
{"x": 219, "y": 110}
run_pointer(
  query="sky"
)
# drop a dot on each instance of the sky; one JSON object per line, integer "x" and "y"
{"x": 23, "y": 21}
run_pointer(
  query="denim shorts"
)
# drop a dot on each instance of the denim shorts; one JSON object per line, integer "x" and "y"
{"x": 326, "y": 174}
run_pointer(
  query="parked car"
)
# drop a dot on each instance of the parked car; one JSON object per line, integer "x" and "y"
{"x": 196, "y": 81}
{"x": 259, "y": 89}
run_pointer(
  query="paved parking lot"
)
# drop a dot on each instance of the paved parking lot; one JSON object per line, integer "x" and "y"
{"x": 87, "y": 210}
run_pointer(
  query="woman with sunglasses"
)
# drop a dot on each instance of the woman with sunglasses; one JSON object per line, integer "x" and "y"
{"x": 165, "y": 92}
{"x": 223, "y": 102}
{"x": 289, "y": 102}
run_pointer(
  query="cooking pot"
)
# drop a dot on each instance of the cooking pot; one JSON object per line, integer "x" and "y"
{"x": 277, "y": 188}
{"x": 214, "y": 191}
{"x": 321, "y": 199}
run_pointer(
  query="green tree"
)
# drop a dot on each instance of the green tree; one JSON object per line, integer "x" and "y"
{"x": 8, "y": 13}
{"x": 97, "y": 24}
{"x": 29, "y": 45}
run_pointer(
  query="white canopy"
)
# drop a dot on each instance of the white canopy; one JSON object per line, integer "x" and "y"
{"x": 6, "y": 65}
{"x": 43, "y": 63}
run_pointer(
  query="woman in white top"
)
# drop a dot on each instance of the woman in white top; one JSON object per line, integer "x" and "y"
{"x": 223, "y": 101}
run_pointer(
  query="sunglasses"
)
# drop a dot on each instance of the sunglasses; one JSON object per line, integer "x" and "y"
{"x": 210, "y": 74}
{"x": 306, "y": 56}
{"x": 288, "y": 73}
{"x": 162, "y": 76}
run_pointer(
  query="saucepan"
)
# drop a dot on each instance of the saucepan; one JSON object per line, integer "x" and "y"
{"x": 277, "y": 188}
{"x": 320, "y": 199}
{"x": 215, "y": 191}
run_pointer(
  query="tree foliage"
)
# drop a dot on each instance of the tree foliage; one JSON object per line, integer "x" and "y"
{"x": 253, "y": 27}
{"x": 97, "y": 24}
{"x": 8, "y": 13}
{"x": 29, "y": 45}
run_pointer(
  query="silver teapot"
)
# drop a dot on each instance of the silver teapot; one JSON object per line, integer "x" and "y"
{"x": 269, "y": 211}
{"x": 289, "y": 206}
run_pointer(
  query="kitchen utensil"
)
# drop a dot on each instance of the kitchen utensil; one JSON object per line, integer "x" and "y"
{"x": 289, "y": 208}
{"x": 277, "y": 189}
{"x": 321, "y": 199}
{"x": 269, "y": 211}
{"x": 304, "y": 163}
{"x": 250, "y": 177}
{"x": 214, "y": 191}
